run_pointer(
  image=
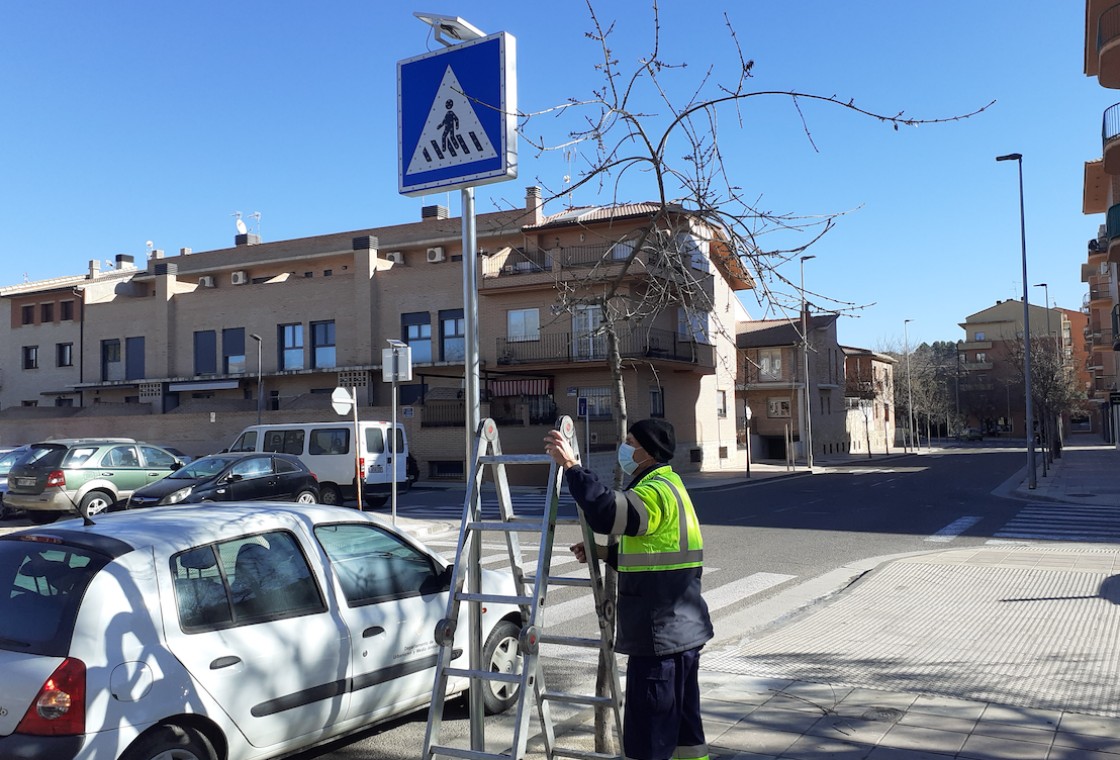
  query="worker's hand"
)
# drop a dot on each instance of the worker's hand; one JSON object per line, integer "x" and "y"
{"x": 557, "y": 447}
{"x": 580, "y": 550}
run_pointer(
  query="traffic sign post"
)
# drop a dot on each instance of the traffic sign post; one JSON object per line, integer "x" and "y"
{"x": 457, "y": 128}
{"x": 342, "y": 401}
{"x": 396, "y": 365}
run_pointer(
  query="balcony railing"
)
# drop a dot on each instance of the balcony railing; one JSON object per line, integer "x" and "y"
{"x": 1099, "y": 293}
{"x": 1104, "y": 383}
{"x": 569, "y": 347}
{"x": 1108, "y": 30}
{"x": 1110, "y": 130}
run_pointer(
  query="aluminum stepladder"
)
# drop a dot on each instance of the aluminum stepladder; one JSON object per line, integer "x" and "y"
{"x": 530, "y": 595}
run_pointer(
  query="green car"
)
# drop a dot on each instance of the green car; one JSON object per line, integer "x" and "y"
{"x": 61, "y": 477}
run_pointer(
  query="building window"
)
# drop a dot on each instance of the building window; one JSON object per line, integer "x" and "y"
{"x": 777, "y": 407}
{"x": 27, "y": 315}
{"x": 112, "y": 368}
{"x": 769, "y": 364}
{"x": 721, "y": 403}
{"x": 62, "y": 401}
{"x": 598, "y": 402}
{"x": 322, "y": 344}
{"x": 64, "y": 355}
{"x": 46, "y": 313}
{"x": 523, "y": 325}
{"x": 452, "y": 335}
{"x": 692, "y": 325}
{"x": 31, "y": 357}
{"x": 67, "y": 311}
{"x": 233, "y": 350}
{"x": 134, "y": 358}
{"x": 979, "y": 336}
{"x": 206, "y": 352}
{"x": 416, "y": 331}
{"x": 656, "y": 401}
{"x": 291, "y": 346}
{"x": 981, "y": 356}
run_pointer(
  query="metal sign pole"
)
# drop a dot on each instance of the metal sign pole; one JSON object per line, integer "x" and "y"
{"x": 357, "y": 449}
{"x": 393, "y": 428}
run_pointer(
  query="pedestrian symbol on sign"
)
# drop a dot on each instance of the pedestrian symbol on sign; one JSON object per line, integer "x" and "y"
{"x": 452, "y": 133}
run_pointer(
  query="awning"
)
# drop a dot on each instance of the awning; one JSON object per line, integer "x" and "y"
{"x": 205, "y": 385}
{"x": 538, "y": 387}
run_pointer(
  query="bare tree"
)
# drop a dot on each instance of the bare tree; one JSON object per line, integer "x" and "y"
{"x": 678, "y": 154}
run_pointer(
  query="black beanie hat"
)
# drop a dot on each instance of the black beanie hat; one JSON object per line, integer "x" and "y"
{"x": 656, "y": 437}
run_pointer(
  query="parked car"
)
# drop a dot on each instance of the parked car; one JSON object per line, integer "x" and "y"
{"x": 7, "y": 459}
{"x": 178, "y": 454}
{"x": 970, "y": 434}
{"x": 225, "y": 632}
{"x": 231, "y": 477}
{"x": 83, "y": 474}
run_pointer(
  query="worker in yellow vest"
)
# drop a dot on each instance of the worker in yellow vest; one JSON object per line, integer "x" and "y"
{"x": 663, "y": 621}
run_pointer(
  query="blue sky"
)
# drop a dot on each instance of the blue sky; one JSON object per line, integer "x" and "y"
{"x": 126, "y": 122}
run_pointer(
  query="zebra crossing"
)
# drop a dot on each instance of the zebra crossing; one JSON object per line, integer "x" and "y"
{"x": 1054, "y": 521}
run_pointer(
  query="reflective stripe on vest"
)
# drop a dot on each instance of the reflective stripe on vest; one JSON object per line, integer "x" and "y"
{"x": 683, "y": 557}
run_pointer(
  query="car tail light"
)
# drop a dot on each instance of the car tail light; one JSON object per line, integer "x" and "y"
{"x": 59, "y": 709}
{"x": 362, "y": 464}
{"x": 314, "y": 477}
{"x": 56, "y": 478}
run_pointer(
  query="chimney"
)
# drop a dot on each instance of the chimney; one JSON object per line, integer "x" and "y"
{"x": 94, "y": 269}
{"x": 433, "y": 212}
{"x": 155, "y": 253}
{"x": 246, "y": 238}
{"x": 364, "y": 243}
{"x": 533, "y": 204}
{"x": 124, "y": 261}
{"x": 185, "y": 251}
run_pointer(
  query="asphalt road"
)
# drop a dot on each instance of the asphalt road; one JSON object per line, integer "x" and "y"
{"x": 760, "y": 539}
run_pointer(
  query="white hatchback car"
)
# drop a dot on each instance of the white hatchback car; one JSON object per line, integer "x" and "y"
{"x": 231, "y": 631}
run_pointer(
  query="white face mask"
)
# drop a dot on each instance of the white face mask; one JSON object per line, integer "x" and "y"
{"x": 626, "y": 458}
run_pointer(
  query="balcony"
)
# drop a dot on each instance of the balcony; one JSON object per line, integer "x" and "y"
{"x": 977, "y": 366}
{"x": 1110, "y": 131}
{"x": 975, "y": 345}
{"x": 566, "y": 348}
{"x": 1108, "y": 48}
{"x": 1104, "y": 383}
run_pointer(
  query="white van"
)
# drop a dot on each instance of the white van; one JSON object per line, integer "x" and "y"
{"x": 325, "y": 447}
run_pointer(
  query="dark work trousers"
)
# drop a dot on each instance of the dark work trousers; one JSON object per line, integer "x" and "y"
{"x": 662, "y": 718}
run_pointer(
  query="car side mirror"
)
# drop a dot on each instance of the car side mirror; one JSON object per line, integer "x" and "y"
{"x": 176, "y": 465}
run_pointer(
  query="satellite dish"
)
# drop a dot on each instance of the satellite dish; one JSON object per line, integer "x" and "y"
{"x": 241, "y": 228}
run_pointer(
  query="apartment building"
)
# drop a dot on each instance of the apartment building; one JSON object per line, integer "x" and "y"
{"x": 1102, "y": 196}
{"x": 776, "y": 362}
{"x": 190, "y": 348}
{"x": 991, "y": 389}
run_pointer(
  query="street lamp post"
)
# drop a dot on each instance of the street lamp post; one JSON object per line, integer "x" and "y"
{"x": 260, "y": 376}
{"x": 808, "y": 417}
{"x": 1032, "y": 480}
{"x": 909, "y": 388}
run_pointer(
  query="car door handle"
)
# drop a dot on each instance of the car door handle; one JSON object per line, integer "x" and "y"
{"x": 107, "y": 474}
{"x": 153, "y": 474}
{"x": 224, "y": 662}
{"x": 373, "y": 630}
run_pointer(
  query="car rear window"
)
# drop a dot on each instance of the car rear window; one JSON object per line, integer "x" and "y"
{"x": 41, "y": 588}
{"x": 44, "y": 456}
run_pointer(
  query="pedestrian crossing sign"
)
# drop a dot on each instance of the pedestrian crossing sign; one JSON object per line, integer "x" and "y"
{"x": 457, "y": 116}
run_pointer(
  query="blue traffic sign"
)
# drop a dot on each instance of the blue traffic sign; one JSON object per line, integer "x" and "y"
{"x": 457, "y": 116}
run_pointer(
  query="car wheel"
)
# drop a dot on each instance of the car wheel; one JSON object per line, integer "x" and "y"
{"x": 329, "y": 494}
{"x": 171, "y": 743}
{"x": 41, "y": 517}
{"x": 305, "y": 497}
{"x": 377, "y": 501}
{"x": 96, "y": 502}
{"x": 500, "y": 654}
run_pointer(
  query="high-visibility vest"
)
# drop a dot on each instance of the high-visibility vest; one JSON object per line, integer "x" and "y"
{"x": 668, "y": 531}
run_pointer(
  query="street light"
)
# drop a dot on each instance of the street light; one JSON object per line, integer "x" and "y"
{"x": 260, "y": 376}
{"x": 808, "y": 418}
{"x": 1032, "y": 480}
{"x": 909, "y": 388}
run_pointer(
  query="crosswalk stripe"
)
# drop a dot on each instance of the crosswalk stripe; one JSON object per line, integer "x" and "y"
{"x": 1064, "y": 522}
{"x": 953, "y": 529}
{"x": 729, "y": 593}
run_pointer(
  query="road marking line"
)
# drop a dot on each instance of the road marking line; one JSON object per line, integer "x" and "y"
{"x": 736, "y": 591}
{"x": 953, "y": 529}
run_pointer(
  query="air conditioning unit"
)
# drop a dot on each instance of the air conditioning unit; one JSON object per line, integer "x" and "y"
{"x": 395, "y": 256}
{"x": 239, "y": 277}
{"x": 1105, "y": 268}
{"x": 206, "y": 281}
{"x": 435, "y": 254}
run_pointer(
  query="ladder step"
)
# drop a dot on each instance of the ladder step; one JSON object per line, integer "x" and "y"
{"x": 579, "y": 754}
{"x": 562, "y": 580}
{"x": 515, "y": 459}
{"x": 571, "y": 641}
{"x": 466, "y": 754}
{"x": 465, "y": 596}
{"x": 485, "y": 675}
{"x": 576, "y": 699}
{"x": 511, "y": 526}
